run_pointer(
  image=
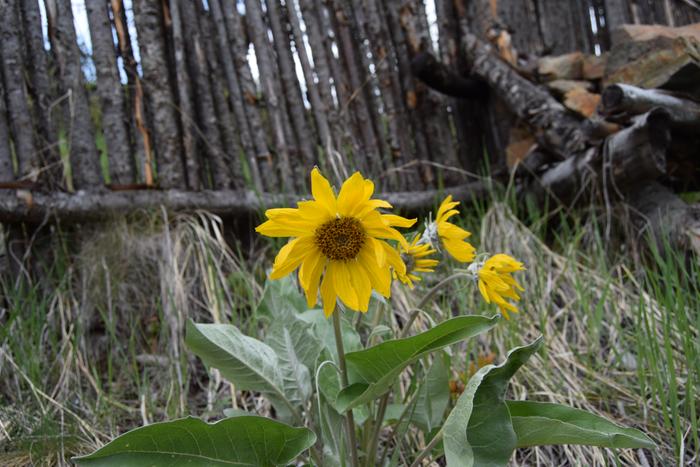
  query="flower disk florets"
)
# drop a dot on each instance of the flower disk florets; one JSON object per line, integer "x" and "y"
{"x": 340, "y": 239}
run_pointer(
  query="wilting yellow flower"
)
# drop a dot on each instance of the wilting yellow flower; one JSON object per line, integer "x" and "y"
{"x": 496, "y": 282}
{"x": 340, "y": 239}
{"x": 415, "y": 259}
{"x": 449, "y": 235}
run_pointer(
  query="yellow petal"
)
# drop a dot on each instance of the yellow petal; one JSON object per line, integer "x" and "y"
{"x": 328, "y": 294}
{"x": 459, "y": 250}
{"x": 322, "y": 192}
{"x": 445, "y": 229}
{"x": 351, "y": 195}
{"x": 290, "y": 256}
{"x": 398, "y": 221}
{"x": 362, "y": 285}
{"x": 342, "y": 282}
{"x": 378, "y": 274}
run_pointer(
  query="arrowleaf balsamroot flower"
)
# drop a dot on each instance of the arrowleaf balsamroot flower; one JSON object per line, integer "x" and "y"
{"x": 496, "y": 282}
{"x": 415, "y": 259}
{"x": 338, "y": 243}
{"x": 448, "y": 235}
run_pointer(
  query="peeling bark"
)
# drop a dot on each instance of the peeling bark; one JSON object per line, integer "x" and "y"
{"x": 6, "y": 169}
{"x": 148, "y": 17}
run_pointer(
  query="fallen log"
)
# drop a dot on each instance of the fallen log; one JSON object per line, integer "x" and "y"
{"x": 561, "y": 130}
{"x": 667, "y": 219}
{"x": 87, "y": 206}
{"x": 626, "y": 159}
{"x": 621, "y": 101}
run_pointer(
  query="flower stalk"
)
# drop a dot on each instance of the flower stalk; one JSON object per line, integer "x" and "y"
{"x": 349, "y": 419}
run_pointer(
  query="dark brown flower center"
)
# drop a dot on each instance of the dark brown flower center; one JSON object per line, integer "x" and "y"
{"x": 340, "y": 239}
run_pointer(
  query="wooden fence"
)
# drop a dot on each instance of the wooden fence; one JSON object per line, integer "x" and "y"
{"x": 226, "y": 96}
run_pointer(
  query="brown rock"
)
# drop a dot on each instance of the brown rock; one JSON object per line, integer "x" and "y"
{"x": 594, "y": 66}
{"x": 560, "y": 87}
{"x": 581, "y": 101}
{"x": 569, "y": 66}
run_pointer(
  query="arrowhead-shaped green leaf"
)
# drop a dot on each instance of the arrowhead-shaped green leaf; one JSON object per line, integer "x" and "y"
{"x": 239, "y": 441}
{"x": 541, "y": 423}
{"x": 478, "y": 431}
{"x": 375, "y": 369}
{"x": 434, "y": 394}
{"x": 246, "y": 362}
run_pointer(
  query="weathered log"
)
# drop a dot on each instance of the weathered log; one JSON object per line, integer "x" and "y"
{"x": 560, "y": 129}
{"x": 82, "y": 206}
{"x": 84, "y": 158}
{"x": 620, "y": 101}
{"x": 109, "y": 88}
{"x": 185, "y": 107}
{"x": 148, "y": 17}
{"x": 304, "y": 138}
{"x": 627, "y": 158}
{"x": 20, "y": 117}
{"x": 135, "y": 105}
{"x": 667, "y": 219}
{"x": 6, "y": 170}
{"x": 242, "y": 92}
{"x": 37, "y": 68}
{"x": 271, "y": 93}
{"x": 222, "y": 134}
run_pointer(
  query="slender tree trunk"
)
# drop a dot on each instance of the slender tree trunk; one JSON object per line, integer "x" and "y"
{"x": 109, "y": 88}
{"x": 140, "y": 134}
{"x": 318, "y": 106}
{"x": 275, "y": 107}
{"x": 252, "y": 133}
{"x": 42, "y": 95}
{"x": 185, "y": 107}
{"x": 6, "y": 170}
{"x": 148, "y": 16}
{"x": 205, "y": 83}
{"x": 84, "y": 158}
{"x": 18, "y": 110}
{"x": 304, "y": 137}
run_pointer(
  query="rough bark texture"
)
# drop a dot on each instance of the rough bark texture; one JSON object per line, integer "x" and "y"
{"x": 6, "y": 170}
{"x": 140, "y": 136}
{"x": 84, "y": 158}
{"x": 666, "y": 218}
{"x": 622, "y": 101}
{"x": 222, "y": 120}
{"x": 275, "y": 103}
{"x": 303, "y": 135}
{"x": 83, "y": 207}
{"x": 37, "y": 66}
{"x": 148, "y": 17}
{"x": 242, "y": 92}
{"x": 185, "y": 105}
{"x": 561, "y": 130}
{"x": 109, "y": 88}
{"x": 15, "y": 90}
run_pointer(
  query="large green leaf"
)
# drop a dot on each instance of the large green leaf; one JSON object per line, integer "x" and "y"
{"x": 541, "y": 423}
{"x": 246, "y": 362}
{"x": 292, "y": 343}
{"x": 433, "y": 395}
{"x": 281, "y": 296}
{"x": 375, "y": 369}
{"x": 478, "y": 431}
{"x": 238, "y": 441}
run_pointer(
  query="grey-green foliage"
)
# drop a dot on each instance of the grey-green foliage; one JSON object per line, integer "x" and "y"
{"x": 239, "y": 441}
{"x": 433, "y": 394}
{"x": 478, "y": 431}
{"x": 374, "y": 370}
{"x": 541, "y": 423}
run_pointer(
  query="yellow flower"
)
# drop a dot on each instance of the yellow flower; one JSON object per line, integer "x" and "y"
{"x": 415, "y": 259}
{"x": 338, "y": 243}
{"x": 450, "y": 236}
{"x": 496, "y": 282}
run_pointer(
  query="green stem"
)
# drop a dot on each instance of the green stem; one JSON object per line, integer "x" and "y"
{"x": 349, "y": 419}
{"x": 378, "y": 422}
{"x": 416, "y": 311}
{"x": 425, "y": 452}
